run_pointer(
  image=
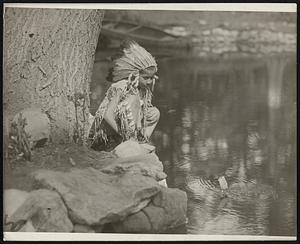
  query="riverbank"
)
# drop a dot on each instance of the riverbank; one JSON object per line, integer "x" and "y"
{"x": 217, "y": 33}
{"x": 92, "y": 191}
{"x": 201, "y": 20}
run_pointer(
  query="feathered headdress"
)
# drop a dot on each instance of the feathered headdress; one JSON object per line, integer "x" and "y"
{"x": 130, "y": 59}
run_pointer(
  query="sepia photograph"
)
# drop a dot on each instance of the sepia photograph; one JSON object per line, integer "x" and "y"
{"x": 149, "y": 121}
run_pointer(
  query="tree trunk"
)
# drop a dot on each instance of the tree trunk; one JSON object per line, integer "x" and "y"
{"x": 48, "y": 61}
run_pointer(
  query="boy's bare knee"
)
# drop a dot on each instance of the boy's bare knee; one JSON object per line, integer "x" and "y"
{"x": 153, "y": 114}
{"x": 156, "y": 113}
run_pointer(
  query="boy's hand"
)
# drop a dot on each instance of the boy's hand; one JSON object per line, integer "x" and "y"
{"x": 135, "y": 81}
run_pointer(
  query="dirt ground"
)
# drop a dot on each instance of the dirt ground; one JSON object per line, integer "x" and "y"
{"x": 17, "y": 173}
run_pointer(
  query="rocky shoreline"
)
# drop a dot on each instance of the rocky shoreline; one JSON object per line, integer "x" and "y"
{"x": 252, "y": 41}
{"x": 219, "y": 32}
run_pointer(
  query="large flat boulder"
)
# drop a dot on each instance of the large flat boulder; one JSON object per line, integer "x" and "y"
{"x": 167, "y": 210}
{"x": 45, "y": 210}
{"x": 95, "y": 198}
{"x": 145, "y": 164}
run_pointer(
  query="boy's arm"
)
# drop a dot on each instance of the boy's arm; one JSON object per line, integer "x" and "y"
{"x": 109, "y": 116}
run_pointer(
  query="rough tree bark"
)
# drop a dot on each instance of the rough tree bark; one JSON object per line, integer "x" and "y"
{"x": 48, "y": 61}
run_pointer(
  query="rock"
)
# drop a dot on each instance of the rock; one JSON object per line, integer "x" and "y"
{"x": 135, "y": 223}
{"x": 130, "y": 148}
{"x": 163, "y": 183}
{"x": 98, "y": 228}
{"x": 78, "y": 228}
{"x": 38, "y": 125}
{"x": 167, "y": 210}
{"x": 206, "y": 32}
{"x": 146, "y": 164}
{"x": 202, "y": 22}
{"x": 13, "y": 199}
{"x": 95, "y": 198}
{"x": 174, "y": 203}
{"x": 141, "y": 205}
{"x": 46, "y": 211}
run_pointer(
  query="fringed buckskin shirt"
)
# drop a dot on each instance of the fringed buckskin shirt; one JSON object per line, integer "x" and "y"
{"x": 128, "y": 128}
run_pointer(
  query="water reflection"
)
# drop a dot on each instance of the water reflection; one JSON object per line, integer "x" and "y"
{"x": 237, "y": 119}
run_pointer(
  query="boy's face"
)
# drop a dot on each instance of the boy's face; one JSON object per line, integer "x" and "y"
{"x": 146, "y": 81}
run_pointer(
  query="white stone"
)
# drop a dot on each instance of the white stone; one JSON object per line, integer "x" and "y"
{"x": 38, "y": 124}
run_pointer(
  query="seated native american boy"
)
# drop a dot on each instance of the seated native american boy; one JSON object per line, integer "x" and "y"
{"x": 126, "y": 112}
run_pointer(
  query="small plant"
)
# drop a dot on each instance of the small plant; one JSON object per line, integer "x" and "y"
{"x": 19, "y": 146}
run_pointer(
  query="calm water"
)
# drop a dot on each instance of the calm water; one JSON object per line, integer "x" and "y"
{"x": 231, "y": 117}
{"x": 235, "y": 118}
